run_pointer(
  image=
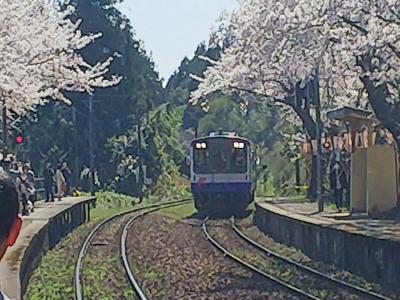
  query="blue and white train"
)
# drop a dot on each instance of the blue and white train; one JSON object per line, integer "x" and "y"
{"x": 221, "y": 172}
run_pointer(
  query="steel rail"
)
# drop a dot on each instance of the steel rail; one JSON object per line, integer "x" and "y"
{"x": 124, "y": 249}
{"x": 291, "y": 289}
{"x": 337, "y": 282}
{"x": 79, "y": 295}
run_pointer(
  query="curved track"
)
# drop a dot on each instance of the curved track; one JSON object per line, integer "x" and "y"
{"x": 289, "y": 288}
{"x": 124, "y": 249}
{"x": 301, "y": 293}
{"x": 365, "y": 294}
{"x": 79, "y": 284}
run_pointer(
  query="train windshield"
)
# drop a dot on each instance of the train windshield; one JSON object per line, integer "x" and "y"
{"x": 215, "y": 156}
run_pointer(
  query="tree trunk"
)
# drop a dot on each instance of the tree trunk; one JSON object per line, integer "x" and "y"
{"x": 384, "y": 111}
{"x": 298, "y": 175}
{"x": 310, "y": 128}
{"x": 312, "y": 191}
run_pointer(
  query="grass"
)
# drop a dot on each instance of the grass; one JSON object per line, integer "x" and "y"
{"x": 179, "y": 212}
{"x": 54, "y": 277}
{"x": 153, "y": 275}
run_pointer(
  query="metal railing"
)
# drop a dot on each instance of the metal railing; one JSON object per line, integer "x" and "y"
{"x": 39, "y": 189}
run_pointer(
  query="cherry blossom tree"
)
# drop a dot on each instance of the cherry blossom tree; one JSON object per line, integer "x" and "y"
{"x": 265, "y": 57}
{"x": 40, "y": 60}
{"x": 292, "y": 51}
{"x": 276, "y": 48}
{"x": 369, "y": 48}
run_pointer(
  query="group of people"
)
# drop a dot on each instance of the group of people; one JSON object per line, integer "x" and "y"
{"x": 23, "y": 177}
{"x": 57, "y": 182}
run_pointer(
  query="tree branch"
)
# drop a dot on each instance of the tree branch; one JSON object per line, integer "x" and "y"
{"x": 355, "y": 25}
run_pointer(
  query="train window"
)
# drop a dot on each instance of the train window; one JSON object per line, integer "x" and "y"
{"x": 201, "y": 161}
{"x": 239, "y": 161}
{"x": 219, "y": 161}
{"x": 220, "y": 157}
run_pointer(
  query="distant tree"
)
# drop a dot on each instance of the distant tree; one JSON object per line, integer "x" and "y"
{"x": 162, "y": 149}
{"x": 41, "y": 58}
{"x": 181, "y": 84}
{"x": 115, "y": 110}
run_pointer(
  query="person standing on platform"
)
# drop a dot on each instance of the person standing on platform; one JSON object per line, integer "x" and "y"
{"x": 338, "y": 184}
{"x": 67, "y": 176}
{"x": 14, "y": 171}
{"x": 49, "y": 182}
{"x": 10, "y": 222}
{"x": 60, "y": 181}
{"x": 85, "y": 178}
{"x": 29, "y": 181}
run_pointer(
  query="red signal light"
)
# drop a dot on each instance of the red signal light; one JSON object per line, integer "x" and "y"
{"x": 20, "y": 139}
{"x": 326, "y": 145}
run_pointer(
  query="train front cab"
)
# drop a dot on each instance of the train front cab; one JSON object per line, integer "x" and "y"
{"x": 221, "y": 173}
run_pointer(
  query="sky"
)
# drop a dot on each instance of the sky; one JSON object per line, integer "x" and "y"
{"x": 172, "y": 29}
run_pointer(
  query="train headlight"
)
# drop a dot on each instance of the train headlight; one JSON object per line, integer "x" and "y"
{"x": 201, "y": 146}
{"x": 239, "y": 145}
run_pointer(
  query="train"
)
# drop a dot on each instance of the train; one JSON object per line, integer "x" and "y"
{"x": 221, "y": 172}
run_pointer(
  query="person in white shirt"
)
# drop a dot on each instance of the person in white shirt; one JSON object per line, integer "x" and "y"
{"x": 10, "y": 222}
{"x": 61, "y": 183}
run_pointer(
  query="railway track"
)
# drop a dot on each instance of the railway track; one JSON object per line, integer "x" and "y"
{"x": 137, "y": 214}
{"x": 300, "y": 292}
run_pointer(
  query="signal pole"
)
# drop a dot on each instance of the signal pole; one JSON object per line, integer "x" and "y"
{"x": 320, "y": 199}
{"x": 76, "y": 161}
{"x": 92, "y": 172}
{"x": 5, "y": 128}
{"x": 140, "y": 161}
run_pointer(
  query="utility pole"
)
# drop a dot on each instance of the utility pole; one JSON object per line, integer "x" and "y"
{"x": 318, "y": 130}
{"x": 92, "y": 171}
{"x": 5, "y": 128}
{"x": 140, "y": 161}
{"x": 76, "y": 161}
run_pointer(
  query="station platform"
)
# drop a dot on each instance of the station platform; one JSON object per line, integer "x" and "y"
{"x": 367, "y": 247}
{"x": 41, "y": 232}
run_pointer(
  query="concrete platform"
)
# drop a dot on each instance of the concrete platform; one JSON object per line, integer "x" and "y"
{"x": 366, "y": 247}
{"x": 40, "y": 233}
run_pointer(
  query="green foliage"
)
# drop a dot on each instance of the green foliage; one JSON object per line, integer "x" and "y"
{"x": 164, "y": 144}
{"x": 171, "y": 187}
{"x": 162, "y": 149}
{"x": 180, "y": 85}
{"x": 179, "y": 213}
{"x": 223, "y": 113}
{"x": 114, "y": 200}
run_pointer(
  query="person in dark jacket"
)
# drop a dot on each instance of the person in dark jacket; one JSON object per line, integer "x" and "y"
{"x": 49, "y": 182}
{"x": 338, "y": 182}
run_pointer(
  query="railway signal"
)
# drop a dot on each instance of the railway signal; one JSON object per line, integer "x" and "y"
{"x": 20, "y": 139}
{"x": 327, "y": 145}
